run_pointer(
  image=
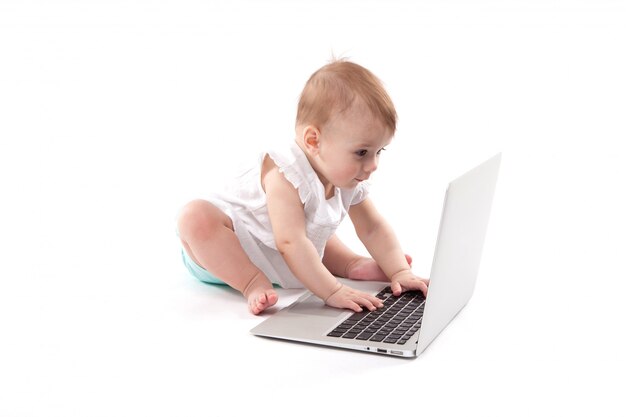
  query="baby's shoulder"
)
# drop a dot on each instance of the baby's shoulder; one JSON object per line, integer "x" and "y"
{"x": 272, "y": 174}
{"x": 269, "y": 170}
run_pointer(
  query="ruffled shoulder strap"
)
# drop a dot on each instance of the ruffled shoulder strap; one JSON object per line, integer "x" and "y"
{"x": 361, "y": 191}
{"x": 292, "y": 163}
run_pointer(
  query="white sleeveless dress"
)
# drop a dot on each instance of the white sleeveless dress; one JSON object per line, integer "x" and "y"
{"x": 244, "y": 202}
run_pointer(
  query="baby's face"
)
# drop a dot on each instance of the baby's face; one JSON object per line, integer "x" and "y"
{"x": 350, "y": 146}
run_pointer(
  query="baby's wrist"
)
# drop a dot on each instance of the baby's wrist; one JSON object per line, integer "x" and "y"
{"x": 398, "y": 274}
{"x": 334, "y": 291}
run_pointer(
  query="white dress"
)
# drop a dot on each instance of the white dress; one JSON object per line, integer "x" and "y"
{"x": 244, "y": 202}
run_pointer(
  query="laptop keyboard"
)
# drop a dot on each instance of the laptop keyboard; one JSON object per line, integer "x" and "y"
{"x": 398, "y": 320}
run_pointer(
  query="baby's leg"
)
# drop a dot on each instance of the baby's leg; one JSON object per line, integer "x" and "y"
{"x": 208, "y": 237}
{"x": 343, "y": 262}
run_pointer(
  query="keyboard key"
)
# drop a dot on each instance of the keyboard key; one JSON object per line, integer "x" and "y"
{"x": 365, "y": 336}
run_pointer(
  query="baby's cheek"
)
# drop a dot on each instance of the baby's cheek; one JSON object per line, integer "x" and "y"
{"x": 349, "y": 171}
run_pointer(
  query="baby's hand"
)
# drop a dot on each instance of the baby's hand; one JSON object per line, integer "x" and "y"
{"x": 346, "y": 297}
{"x": 407, "y": 281}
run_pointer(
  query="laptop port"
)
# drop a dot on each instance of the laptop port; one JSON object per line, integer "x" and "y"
{"x": 381, "y": 350}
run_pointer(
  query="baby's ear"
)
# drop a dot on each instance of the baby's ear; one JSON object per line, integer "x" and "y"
{"x": 311, "y": 139}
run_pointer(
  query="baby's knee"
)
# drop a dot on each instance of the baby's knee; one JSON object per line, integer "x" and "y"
{"x": 197, "y": 219}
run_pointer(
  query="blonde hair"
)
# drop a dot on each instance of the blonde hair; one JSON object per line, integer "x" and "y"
{"x": 335, "y": 86}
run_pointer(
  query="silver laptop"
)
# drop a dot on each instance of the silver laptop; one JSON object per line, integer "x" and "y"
{"x": 407, "y": 324}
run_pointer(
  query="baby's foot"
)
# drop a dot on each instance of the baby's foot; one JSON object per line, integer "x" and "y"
{"x": 367, "y": 269}
{"x": 261, "y": 296}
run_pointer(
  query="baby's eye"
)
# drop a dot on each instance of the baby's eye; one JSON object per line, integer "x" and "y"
{"x": 382, "y": 149}
{"x": 361, "y": 152}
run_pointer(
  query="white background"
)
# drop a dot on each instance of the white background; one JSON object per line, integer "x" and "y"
{"x": 114, "y": 114}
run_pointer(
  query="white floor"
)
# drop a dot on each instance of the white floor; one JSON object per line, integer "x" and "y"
{"x": 114, "y": 115}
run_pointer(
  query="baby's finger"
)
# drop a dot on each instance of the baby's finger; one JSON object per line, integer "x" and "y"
{"x": 420, "y": 286}
{"x": 375, "y": 300}
{"x": 396, "y": 288}
{"x": 352, "y": 305}
{"x": 367, "y": 303}
{"x": 415, "y": 285}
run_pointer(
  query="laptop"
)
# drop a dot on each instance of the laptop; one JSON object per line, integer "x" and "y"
{"x": 407, "y": 324}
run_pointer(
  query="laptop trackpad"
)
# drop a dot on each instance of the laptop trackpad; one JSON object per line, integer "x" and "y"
{"x": 314, "y": 306}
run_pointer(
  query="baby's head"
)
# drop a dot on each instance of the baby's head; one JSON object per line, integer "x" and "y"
{"x": 336, "y": 87}
{"x": 345, "y": 118}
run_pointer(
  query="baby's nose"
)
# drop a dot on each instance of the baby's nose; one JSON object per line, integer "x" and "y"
{"x": 371, "y": 166}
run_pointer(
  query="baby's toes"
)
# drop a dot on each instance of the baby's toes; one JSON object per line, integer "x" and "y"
{"x": 272, "y": 297}
{"x": 261, "y": 299}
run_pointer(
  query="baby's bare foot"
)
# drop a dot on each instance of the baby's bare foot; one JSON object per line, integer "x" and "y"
{"x": 260, "y": 293}
{"x": 367, "y": 269}
{"x": 261, "y": 298}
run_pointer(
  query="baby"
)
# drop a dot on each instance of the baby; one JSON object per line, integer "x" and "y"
{"x": 276, "y": 223}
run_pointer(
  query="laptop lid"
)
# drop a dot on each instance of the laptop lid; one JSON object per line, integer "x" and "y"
{"x": 460, "y": 240}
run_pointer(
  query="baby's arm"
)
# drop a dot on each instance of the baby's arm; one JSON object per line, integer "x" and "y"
{"x": 286, "y": 214}
{"x": 382, "y": 243}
